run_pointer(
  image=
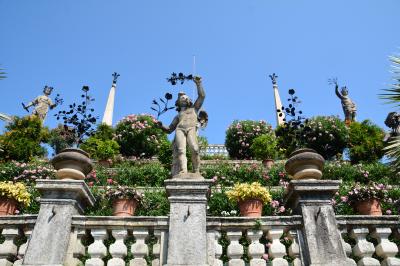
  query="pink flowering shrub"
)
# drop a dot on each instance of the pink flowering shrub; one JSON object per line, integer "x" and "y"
{"x": 25, "y": 172}
{"x": 139, "y": 136}
{"x": 240, "y": 136}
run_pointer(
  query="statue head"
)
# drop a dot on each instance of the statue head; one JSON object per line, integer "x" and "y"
{"x": 183, "y": 101}
{"x": 47, "y": 90}
{"x": 344, "y": 91}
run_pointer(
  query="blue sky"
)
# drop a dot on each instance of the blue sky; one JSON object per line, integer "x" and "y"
{"x": 68, "y": 44}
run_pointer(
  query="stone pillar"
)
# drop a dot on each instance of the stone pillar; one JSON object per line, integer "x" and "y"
{"x": 310, "y": 197}
{"x": 187, "y": 241}
{"x": 60, "y": 200}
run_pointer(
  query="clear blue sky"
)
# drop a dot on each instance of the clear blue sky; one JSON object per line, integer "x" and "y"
{"x": 67, "y": 44}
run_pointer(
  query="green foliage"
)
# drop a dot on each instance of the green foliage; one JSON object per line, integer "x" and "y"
{"x": 100, "y": 149}
{"x": 366, "y": 142}
{"x": 140, "y": 174}
{"x": 264, "y": 147}
{"x": 363, "y": 173}
{"x": 288, "y": 139}
{"x": 60, "y": 138}
{"x": 240, "y": 136}
{"x": 21, "y": 141}
{"x": 154, "y": 203}
{"x": 165, "y": 154}
{"x": 2, "y": 74}
{"x": 139, "y": 136}
{"x": 328, "y": 135}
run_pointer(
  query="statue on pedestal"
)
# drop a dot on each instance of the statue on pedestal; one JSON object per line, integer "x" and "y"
{"x": 349, "y": 107}
{"x": 185, "y": 125}
{"x": 42, "y": 103}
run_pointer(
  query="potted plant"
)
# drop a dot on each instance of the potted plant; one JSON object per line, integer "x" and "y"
{"x": 124, "y": 199}
{"x": 74, "y": 163}
{"x": 250, "y": 197}
{"x": 366, "y": 199}
{"x": 12, "y": 194}
{"x": 264, "y": 148}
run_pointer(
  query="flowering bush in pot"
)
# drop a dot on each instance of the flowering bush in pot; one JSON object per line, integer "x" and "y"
{"x": 366, "y": 199}
{"x": 250, "y": 197}
{"x": 240, "y": 136}
{"x": 12, "y": 194}
{"x": 125, "y": 199}
{"x": 264, "y": 148}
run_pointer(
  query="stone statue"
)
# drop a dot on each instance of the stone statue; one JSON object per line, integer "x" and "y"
{"x": 349, "y": 107}
{"x": 42, "y": 104}
{"x": 392, "y": 121}
{"x": 185, "y": 125}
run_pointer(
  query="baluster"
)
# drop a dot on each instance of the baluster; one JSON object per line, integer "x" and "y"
{"x": 277, "y": 250}
{"x": 157, "y": 248}
{"x": 218, "y": 250}
{"x": 97, "y": 250}
{"x": 385, "y": 249}
{"x": 346, "y": 246}
{"x": 78, "y": 250}
{"x": 294, "y": 249}
{"x": 118, "y": 249}
{"x": 22, "y": 248}
{"x": 363, "y": 248}
{"x": 214, "y": 249}
{"x": 8, "y": 249}
{"x": 139, "y": 248}
{"x": 256, "y": 249}
{"x": 235, "y": 249}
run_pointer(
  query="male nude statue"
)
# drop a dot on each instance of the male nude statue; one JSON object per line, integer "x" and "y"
{"x": 185, "y": 125}
{"x": 349, "y": 107}
{"x": 42, "y": 104}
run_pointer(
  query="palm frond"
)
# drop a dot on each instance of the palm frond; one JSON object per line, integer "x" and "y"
{"x": 2, "y": 74}
{"x": 392, "y": 95}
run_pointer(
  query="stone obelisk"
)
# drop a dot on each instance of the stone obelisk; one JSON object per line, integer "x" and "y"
{"x": 108, "y": 113}
{"x": 278, "y": 104}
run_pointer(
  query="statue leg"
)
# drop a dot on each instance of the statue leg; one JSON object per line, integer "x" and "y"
{"x": 180, "y": 144}
{"x": 194, "y": 148}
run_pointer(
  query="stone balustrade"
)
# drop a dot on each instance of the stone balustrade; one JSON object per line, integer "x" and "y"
{"x": 243, "y": 241}
{"x": 114, "y": 241}
{"x": 215, "y": 149}
{"x": 15, "y": 232}
{"x": 371, "y": 240}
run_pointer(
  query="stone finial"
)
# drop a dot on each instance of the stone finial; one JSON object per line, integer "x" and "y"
{"x": 115, "y": 77}
{"x": 305, "y": 164}
{"x": 273, "y": 78}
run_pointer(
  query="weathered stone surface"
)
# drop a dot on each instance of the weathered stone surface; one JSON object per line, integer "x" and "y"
{"x": 72, "y": 163}
{"x": 61, "y": 199}
{"x": 321, "y": 238}
{"x": 187, "y": 240}
{"x": 305, "y": 164}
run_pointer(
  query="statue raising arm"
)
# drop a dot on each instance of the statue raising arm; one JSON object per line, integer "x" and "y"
{"x": 337, "y": 91}
{"x": 200, "y": 92}
{"x": 169, "y": 129}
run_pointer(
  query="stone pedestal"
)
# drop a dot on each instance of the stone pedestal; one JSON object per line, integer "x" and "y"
{"x": 320, "y": 236}
{"x": 187, "y": 242}
{"x": 60, "y": 200}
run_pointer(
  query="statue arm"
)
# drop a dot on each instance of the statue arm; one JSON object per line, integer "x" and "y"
{"x": 200, "y": 92}
{"x": 169, "y": 129}
{"x": 337, "y": 92}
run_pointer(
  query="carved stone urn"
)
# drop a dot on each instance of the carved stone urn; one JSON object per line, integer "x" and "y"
{"x": 72, "y": 163}
{"x": 305, "y": 164}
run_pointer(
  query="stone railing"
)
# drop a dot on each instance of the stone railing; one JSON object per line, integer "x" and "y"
{"x": 15, "y": 231}
{"x": 215, "y": 149}
{"x": 253, "y": 240}
{"x": 117, "y": 241}
{"x": 371, "y": 240}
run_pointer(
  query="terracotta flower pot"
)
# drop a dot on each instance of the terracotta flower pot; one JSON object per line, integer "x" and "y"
{"x": 305, "y": 164}
{"x": 268, "y": 163}
{"x": 8, "y": 206}
{"x": 72, "y": 163}
{"x": 369, "y": 207}
{"x": 124, "y": 207}
{"x": 251, "y": 208}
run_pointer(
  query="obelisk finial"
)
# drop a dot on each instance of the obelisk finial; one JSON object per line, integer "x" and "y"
{"x": 115, "y": 76}
{"x": 273, "y": 78}
{"x": 280, "y": 120}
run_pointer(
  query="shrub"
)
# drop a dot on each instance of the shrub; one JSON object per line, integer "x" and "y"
{"x": 366, "y": 142}
{"x": 139, "y": 136}
{"x": 100, "y": 149}
{"x": 328, "y": 135}
{"x": 21, "y": 141}
{"x": 240, "y": 136}
{"x": 16, "y": 191}
{"x": 265, "y": 147}
{"x": 288, "y": 139}
{"x": 245, "y": 191}
{"x": 60, "y": 138}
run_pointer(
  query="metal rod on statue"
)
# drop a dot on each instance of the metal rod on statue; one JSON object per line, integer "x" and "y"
{"x": 194, "y": 73}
